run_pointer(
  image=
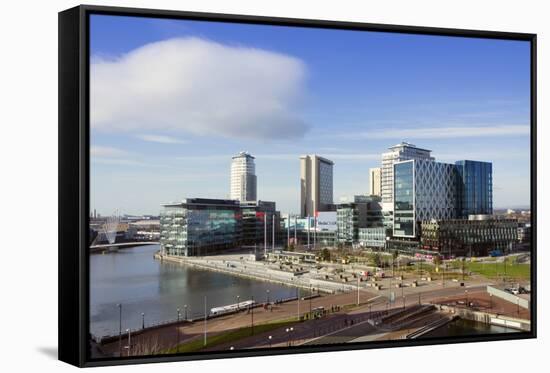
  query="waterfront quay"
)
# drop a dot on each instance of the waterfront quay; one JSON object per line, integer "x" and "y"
{"x": 318, "y": 302}
{"x": 303, "y": 276}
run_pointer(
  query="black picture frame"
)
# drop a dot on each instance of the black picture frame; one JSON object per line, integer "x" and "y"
{"x": 74, "y": 145}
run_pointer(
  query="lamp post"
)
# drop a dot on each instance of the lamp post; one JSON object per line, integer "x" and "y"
{"x": 185, "y": 307}
{"x": 205, "y": 321}
{"x": 142, "y": 320}
{"x": 270, "y": 338}
{"x": 267, "y": 296}
{"x": 129, "y": 341}
{"x": 178, "y": 329}
{"x": 288, "y": 233}
{"x": 289, "y": 331}
{"x": 358, "y": 290}
{"x": 119, "y": 329}
{"x": 308, "y": 224}
{"x": 295, "y": 234}
{"x": 403, "y": 292}
{"x": 310, "y": 300}
{"x": 238, "y": 296}
{"x": 298, "y": 291}
{"x": 252, "y": 317}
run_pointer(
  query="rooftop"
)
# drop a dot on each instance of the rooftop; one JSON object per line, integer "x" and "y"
{"x": 404, "y": 144}
{"x": 243, "y": 154}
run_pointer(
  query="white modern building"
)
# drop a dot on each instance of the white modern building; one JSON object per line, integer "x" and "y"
{"x": 316, "y": 184}
{"x": 243, "y": 178}
{"x": 398, "y": 153}
{"x": 423, "y": 190}
{"x": 375, "y": 181}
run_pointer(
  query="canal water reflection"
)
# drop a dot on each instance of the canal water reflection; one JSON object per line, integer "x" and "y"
{"x": 142, "y": 284}
{"x": 463, "y": 327}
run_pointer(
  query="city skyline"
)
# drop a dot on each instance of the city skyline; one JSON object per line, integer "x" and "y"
{"x": 345, "y": 106}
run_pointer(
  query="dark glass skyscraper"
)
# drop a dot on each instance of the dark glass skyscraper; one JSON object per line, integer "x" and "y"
{"x": 475, "y": 188}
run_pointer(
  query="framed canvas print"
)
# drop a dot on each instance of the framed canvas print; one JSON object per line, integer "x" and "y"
{"x": 234, "y": 186}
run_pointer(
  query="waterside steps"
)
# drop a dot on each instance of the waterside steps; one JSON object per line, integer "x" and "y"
{"x": 431, "y": 326}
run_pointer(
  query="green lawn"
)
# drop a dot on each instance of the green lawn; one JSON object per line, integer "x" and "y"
{"x": 229, "y": 336}
{"x": 518, "y": 271}
{"x": 494, "y": 269}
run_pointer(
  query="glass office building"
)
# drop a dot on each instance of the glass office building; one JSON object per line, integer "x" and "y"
{"x": 404, "y": 220}
{"x": 474, "y": 188}
{"x": 476, "y": 236}
{"x": 199, "y": 226}
{"x": 424, "y": 190}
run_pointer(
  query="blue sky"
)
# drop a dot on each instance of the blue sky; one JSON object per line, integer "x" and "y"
{"x": 172, "y": 100}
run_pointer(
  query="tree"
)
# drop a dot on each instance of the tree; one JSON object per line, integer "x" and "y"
{"x": 325, "y": 254}
{"x": 437, "y": 261}
{"x": 376, "y": 260}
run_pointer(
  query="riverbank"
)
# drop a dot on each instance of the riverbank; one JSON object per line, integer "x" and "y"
{"x": 150, "y": 292}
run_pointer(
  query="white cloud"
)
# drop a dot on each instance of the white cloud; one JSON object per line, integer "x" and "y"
{"x": 443, "y": 132}
{"x": 107, "y": 151}
{"x": 161, "y": 139}
{"x": 200, "y": 87}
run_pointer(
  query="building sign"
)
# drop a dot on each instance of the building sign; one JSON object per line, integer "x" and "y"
{"x": 326, "y": 221}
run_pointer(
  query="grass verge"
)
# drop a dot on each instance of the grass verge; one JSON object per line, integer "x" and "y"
{"x": 229, "y": 336}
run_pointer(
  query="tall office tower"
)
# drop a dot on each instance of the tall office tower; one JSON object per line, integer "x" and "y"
{"x": 375, "y": 181}
{"x": 398, "y": 153}
{"x": 243, "y": 177}
{"x": 474, "y": 188}
{"x": 316, "y": 184}
{"x": 424, "y": 190}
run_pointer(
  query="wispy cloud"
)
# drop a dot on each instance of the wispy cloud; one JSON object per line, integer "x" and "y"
{"x": 352, "y": 156}
{"x": 161, "y": 139}
{"x": 201, "y": 87}
{"x": 107, "y": 151}
{"x": 442, "y": 132}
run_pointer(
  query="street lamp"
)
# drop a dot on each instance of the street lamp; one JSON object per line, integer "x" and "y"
{"x": 142, "y": 320}
{"x": 185, "y": 307}
{"x": 119, "y": 329}
{"x": 129, "y": 341}
{"x": 231, "y": 348}
{"x": 288, "y": 331}
{"x": 267, "y": 296}
{"x": 270, "y": 338}
{"x": 238, "y": 297}
{"x": 252, "y": 316}
{"x": 178, "y": 327}
{"x": 310, "y": 297}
